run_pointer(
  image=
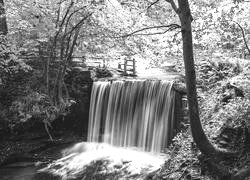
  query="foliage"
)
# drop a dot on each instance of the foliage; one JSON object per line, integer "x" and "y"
{"x": 183, "y": 162}
{"x": 236, "y": 112}
{"x": 102, "y": 72}
{"x": 216, "y": 114}
{"x": 212, "y": 20}
{"x": 14, "y": 73}
{"x": 212, "y": 71}
{"x": 52, "y": 30}
{"x": 21, "y": 94}
{"x": 34, "y": 105}
{"x": 37, "y": 107}
{"x": 222, "y": 122}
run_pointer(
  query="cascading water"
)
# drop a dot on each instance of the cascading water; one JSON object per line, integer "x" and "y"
{"x": 132, "y": 113}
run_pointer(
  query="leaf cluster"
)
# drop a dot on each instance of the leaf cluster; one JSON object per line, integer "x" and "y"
{"x": 209, "y": 72}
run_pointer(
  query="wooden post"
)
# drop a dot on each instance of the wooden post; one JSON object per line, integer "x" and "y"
{"x": 104, "y": 63}
{"x": 133, "y": 67}
{"x": 125, "y": 67}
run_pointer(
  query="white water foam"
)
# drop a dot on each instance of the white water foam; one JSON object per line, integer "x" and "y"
{"x": 132, "y": 161}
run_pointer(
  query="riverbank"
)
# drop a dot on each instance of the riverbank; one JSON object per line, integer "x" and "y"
{"x": 35, "y": 147}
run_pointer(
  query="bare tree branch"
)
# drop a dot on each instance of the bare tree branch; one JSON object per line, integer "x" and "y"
{"x": 244, "y": 37}
{"x": 66, "y": 14}
{"x": 79, "y": 24}
{"x": 162, "y": 32}
{"x": 152, "y": 4}
{"x": 58, "y": 13}
{"x": 74, "y": 12}
{"x": 173, "y": 6}
{"x": 170, "y": 28}
{"x": 175, "y": 35}
{"x": 53, "y": 45}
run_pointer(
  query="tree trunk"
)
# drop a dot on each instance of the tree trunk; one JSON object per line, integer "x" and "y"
{"x": 197, "y": 131}
{"x": 3, "y": 22}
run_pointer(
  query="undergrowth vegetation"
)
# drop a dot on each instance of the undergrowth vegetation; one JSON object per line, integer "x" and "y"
{"x": 24, "y": 101}
{"x": 225, "y": 121}
{"x": 210, "y": 72}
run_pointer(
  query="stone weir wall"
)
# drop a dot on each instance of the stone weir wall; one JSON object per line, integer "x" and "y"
{"x": 179, "y": 115}
{"x": 79, "y": 83}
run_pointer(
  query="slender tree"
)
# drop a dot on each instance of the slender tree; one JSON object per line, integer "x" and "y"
{"x": 199, "y": 136}
{"x": 183, "y": 11}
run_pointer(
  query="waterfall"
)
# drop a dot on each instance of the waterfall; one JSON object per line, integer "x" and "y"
{"x": 132, "y": 113}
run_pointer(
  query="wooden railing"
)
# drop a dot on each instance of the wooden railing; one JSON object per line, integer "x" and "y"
{"x": 128, "y": 66}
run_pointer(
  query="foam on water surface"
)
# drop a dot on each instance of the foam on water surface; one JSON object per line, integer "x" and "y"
{"x": 76, "y": 159}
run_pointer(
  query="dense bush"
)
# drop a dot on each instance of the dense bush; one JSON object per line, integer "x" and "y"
{"x": 102, "y": 72}
{"x": 14, "y": 74}
{"x": 14, "y": 77}
{"x": 36, "y": 107}
{"x": 210, "y": 72}
{"x": 23, "y": 100}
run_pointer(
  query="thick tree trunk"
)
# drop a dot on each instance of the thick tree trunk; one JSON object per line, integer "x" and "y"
{"x": 3, "y": 22}
{"x": 197, "y": 131}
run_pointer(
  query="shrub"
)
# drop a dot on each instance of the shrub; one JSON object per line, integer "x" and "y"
{"x": 37, "y": 107}
{"x": 102, "y": 73}
{"x": 210, "y": 72}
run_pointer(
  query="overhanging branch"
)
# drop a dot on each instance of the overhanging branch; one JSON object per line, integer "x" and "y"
{"x": 152, "y": 4}
{"x": 78, "y": 24}
{"x": 170, "y": 27}
{"x": 173, "y": 6}
{"x": 244, "y": 37}
{"x": 149, "y": 34}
